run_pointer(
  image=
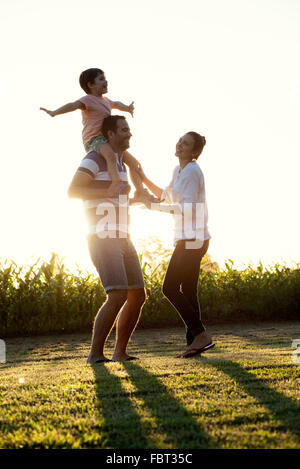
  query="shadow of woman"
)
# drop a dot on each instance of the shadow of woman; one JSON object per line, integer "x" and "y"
{"x": 284, "y": 409}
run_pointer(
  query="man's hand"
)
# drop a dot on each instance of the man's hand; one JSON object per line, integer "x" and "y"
{"x": 51, "y": 113}
{"x": 113, "y": 190}
{"x": 131, "y": 108}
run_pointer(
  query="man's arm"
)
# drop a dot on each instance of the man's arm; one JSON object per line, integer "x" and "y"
{"x": 80, "y": 188}
{"x": 64, "y": 109}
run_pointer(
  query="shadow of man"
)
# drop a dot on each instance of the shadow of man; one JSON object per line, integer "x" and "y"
{"x": 181, "y": 428}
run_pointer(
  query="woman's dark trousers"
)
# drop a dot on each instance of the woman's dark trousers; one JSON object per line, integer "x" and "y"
{"x": 181, "y": 284}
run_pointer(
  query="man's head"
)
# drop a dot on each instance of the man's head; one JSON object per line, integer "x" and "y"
{"x": 93, "y": 81}
{"x": 117, "y": 132}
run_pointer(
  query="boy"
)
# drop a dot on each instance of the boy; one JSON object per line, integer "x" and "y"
{"x": 94, "y": 108}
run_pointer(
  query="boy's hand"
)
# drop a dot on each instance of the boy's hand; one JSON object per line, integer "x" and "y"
{"x": 131, "y": 108}
{"x": 51, "y": 113}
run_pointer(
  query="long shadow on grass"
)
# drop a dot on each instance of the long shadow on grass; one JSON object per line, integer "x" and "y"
{"x": 122, "y": 428}
{"x": 284, "y": 409}
{"x": 32, "y": 349}
{"x": 277, "y": 336}
{"x": 272, "y": 341}
{"x": 172, "y": 418}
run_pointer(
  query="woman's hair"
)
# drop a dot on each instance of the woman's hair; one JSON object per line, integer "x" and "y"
{"x": 199, "y": 143}
{"x": 88, "y": 76}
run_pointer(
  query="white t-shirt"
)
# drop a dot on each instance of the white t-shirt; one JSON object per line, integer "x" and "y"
{"x": 186, "y": 198}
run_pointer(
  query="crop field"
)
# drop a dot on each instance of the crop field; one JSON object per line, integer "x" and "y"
{"x": 46, "y": 297}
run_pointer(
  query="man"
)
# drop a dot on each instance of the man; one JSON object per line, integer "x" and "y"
{"x": 111, "y": 249}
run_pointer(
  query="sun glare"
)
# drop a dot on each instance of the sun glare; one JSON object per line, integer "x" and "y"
{"x": 248, "y": 109}
{"x": 145, "y": 224}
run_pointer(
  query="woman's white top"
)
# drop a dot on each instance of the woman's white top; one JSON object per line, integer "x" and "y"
{"x": 185, "y": 196}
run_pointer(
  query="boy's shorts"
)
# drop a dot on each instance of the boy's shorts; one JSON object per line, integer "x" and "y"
{"x": 117, "y": 263}
{"x": 95, "y": 143}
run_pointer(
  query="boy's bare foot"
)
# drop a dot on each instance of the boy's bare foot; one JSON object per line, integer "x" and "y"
{"x": 124, "y": 189}
{"x": 118, "y": 188}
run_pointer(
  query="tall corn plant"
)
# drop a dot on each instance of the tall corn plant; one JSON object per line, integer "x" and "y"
{"x": 47, "y": 297}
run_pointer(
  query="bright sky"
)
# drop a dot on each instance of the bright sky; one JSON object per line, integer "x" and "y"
{"x": 227, "y": 69}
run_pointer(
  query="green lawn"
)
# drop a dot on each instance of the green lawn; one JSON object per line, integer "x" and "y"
{"x": 244, "y": 393}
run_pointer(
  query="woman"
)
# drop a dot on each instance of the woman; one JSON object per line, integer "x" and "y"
{"x": 186, "y": 193}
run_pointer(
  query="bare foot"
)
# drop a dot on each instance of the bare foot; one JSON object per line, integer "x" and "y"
{"x": 123, "y": 357}
{"x": 97, "y": 359}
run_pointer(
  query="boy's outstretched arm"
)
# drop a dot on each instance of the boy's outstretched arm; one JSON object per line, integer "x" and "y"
{"x": 123, "y": 107}
{"x": 64, "y": 109}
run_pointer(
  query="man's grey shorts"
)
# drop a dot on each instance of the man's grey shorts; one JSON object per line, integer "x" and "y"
{"x": 117, "y": 263}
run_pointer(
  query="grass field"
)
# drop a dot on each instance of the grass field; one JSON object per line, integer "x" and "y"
{"x": 244, "y": 393}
